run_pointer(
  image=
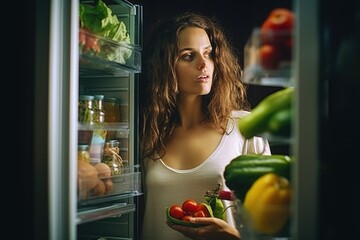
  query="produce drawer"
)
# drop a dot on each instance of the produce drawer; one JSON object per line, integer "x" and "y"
{"x": 103, "y": 54}
{"x": 123, "y": 185}
{"x": 110, "y": 41}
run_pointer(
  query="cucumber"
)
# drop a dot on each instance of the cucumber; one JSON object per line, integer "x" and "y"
{"x": 257, "y": 122}
{"x": 243, "y": 170}
{"x": 279, "y": 123}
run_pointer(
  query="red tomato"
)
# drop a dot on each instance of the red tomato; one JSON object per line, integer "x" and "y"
{"x": 202, "y": 209}
{"x": 279, "y": 18}
{"x": 269, "y": 56}
{"x": 186, "y": 218}
{"x": 189, "y": 206}
{"x": 277, "y": 28}
{"x": 176, "y": 212}
{"x": 92, "y": 44}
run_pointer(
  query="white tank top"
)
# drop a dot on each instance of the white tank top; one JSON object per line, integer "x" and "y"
{"x": 165, "y": 186}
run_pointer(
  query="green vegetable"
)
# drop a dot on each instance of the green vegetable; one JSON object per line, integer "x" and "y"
{"x": 243, "y": 170}
{"x": 264, "y": 116}
{"x": 279, "y": 123}
{"x": 100, "y": 20}
{"x": 217, "y": 207}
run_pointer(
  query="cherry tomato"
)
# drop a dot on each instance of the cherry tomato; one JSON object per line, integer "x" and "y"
{"x": 199, "y": 214}
{"x": 176, "y": 212}
{"x": 189, "y": 206}
{"x": 186, "y": 218}
{"x": 201, "y": 209}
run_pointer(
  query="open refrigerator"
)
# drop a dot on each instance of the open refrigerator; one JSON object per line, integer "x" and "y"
{"x": 51, "y": 149}
{"x": 322, "y": 71}
{"x": 74, "y": 72}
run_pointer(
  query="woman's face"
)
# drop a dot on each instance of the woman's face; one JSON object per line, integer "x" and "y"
{"x": 195, "y": 66}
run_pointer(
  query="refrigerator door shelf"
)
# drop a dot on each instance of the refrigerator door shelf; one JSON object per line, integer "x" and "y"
{"x": 97, "y": 213}
{"x": 122, "y": 127}
{"x": 124, "y": 185}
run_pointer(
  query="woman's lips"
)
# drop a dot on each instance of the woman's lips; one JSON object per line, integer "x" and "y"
{"x": 202, "y": 78}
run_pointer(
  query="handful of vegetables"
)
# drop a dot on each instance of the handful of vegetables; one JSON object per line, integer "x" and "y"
{"x": 213, "y": 207}
{"x": 272, "y": 115}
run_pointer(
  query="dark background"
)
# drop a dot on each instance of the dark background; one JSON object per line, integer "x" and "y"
{"x": 237, "y": 17}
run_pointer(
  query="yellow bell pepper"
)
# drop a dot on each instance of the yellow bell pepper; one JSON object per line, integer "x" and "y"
{"x": 268, "y": 203}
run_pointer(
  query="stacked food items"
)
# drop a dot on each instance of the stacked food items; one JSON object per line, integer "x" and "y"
{"x": 268, "y": 53}
{"x": 93, "y": 180}
{"x": 262, "y": 183}
{"x": 276, "y": 39}
{"x": 211, "y": 207}
{"x": 98, "y": 158}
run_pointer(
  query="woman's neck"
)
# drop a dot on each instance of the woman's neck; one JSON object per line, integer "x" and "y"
{"x": 191, "y": 112}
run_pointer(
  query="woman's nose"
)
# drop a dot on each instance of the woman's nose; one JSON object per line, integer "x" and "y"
{"x": 202, "y": 64}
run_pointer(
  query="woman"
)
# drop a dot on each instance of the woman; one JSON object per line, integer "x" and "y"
{"x": 192, "y": 99}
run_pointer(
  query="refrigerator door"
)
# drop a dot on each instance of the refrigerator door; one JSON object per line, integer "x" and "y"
{"x": 62, "y": 73}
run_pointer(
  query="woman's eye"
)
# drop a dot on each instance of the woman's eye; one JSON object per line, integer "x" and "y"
{"x": 208, "y": 54}
{"x": 187, "y": 57}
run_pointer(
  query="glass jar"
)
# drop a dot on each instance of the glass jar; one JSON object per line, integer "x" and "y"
{"x": 112, "y": 114}
{"x": 98, "y": 107}
{"x": 83, "y": 153}
{"x": 86, "y": 113}
{"x": 112, "y": 110}
{"x": 111, "y": 156}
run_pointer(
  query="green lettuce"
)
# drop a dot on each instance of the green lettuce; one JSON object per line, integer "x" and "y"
{"x": 100, "y": 20}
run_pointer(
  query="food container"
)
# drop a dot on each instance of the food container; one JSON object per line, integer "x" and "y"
{"x": 108, "y": 54}
{"x": 245, "y": 225}
{"x": 265, "y": 64}
{"x": 119, "y": 186}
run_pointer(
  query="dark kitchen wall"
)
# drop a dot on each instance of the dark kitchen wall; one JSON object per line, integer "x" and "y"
{"x": 238, "y": 18}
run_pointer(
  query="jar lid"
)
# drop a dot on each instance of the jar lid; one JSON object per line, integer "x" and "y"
{"x": 99, "y": 97}
{"x": 83, "y": 147}
{"x": 110, "y": 99}
{"x": 86, "y": 97}
{"x": 112, "y": 143}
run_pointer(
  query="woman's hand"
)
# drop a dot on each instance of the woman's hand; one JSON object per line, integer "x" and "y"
{"x": 211, "y": 229}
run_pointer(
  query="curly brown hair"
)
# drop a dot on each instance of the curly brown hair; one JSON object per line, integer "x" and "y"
{"x": 159, "y": 91}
